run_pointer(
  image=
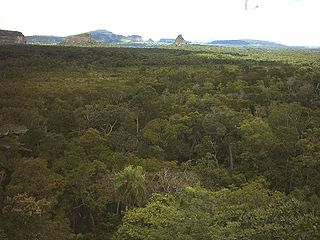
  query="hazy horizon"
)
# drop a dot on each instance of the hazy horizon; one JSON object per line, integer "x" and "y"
{"x": 289, "y": 22}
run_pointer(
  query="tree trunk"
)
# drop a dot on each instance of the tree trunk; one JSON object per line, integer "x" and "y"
{"x": 118, "y": 207}
{"x": 92, "y": 221}
{"x": 291, "y": 181}
{"x": 230, "y": 157}
{"x": 307, "y": 177}
{"x": 137, "y": 128}
{"x": 286, "y": 187}
{"x": 191, "y": 149}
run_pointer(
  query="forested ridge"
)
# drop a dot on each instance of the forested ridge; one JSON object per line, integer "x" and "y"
{"x": 131, "y": 143}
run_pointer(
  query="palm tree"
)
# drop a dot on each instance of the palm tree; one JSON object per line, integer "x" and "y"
{"x": 130, "y": 185}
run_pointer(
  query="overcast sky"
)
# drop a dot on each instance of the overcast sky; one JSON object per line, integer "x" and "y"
{"x": 291, "y": 22}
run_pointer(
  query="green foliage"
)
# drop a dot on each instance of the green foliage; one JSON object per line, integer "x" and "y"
{"x": 3, "y": 235}
{"x": 32, "y": 177}
{"x": 89, "y": 192}
{"x": 164, "y": 139}
{"x": 28, "y": 218}
{"x": 251, "y": 212}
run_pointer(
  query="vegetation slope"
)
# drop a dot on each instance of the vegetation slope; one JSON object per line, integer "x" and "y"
{"x": 124, "y": 143}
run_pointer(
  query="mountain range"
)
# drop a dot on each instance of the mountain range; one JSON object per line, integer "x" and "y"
{"x": 98, "y": 37}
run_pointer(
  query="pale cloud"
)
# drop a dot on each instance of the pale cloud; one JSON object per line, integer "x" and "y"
{"x": 292, "y": 22}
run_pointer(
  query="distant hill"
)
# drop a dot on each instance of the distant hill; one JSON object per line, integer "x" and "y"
{"x": 82, "y": 40}
{"x": 11, "y": 37}
{"x": 247, "y": 42}
{"x": 44, "y": 40}
{"x": 106, "y": 36}
{"x": 166, "y": 40}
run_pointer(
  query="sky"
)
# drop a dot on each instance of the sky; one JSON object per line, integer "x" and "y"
{"x": 290, "y": 22}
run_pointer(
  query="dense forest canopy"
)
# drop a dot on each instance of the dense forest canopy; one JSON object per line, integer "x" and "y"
{"x": 190, "y": 143}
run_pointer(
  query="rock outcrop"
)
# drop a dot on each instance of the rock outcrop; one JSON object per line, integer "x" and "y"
{"x": 11, "y": 37}
{"x": 180, "y": 41}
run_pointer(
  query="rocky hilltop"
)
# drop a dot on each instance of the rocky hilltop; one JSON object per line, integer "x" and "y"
{"x": 81, "y": 40}
{"x": 111, "y": 38}
{"x": 11, "y": 37}
{"x": 134, "y": 38}
{"x": 180, "y": 41}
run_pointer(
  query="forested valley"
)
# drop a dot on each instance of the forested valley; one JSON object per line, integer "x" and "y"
{"x": 164, "y": 143}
